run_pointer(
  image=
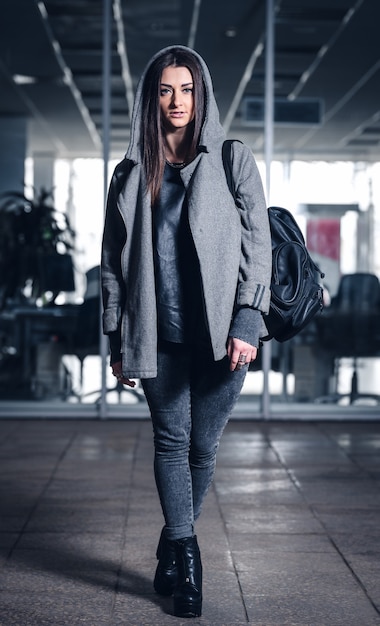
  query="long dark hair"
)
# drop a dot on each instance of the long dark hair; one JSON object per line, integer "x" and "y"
{"x": 151, "y": 131}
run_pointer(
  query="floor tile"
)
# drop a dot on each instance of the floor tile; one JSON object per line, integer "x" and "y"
{"x": 289, "y": 531}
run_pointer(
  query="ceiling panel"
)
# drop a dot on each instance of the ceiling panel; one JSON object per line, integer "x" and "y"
{"x": 51, "y": 69}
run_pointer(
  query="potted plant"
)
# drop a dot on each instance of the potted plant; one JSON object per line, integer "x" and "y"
{"x": 36, "y": 242}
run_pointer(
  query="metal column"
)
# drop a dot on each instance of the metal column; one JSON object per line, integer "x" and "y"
{"x": 106, "y": 110}
{"x": 268, "y": 131}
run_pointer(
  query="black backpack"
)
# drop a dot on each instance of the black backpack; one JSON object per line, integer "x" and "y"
{"x": 296, "y": 295}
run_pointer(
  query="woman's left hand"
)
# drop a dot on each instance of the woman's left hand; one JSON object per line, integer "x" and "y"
{"x": 240, "y": 353}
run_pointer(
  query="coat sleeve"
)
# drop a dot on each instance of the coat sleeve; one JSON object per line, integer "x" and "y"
{"x": 256, "y": 248}
{"x": 114, "y": 238}
{"x": 247, "y": 326}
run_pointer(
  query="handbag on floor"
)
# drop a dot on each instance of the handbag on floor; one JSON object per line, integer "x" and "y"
{"x": 296, "y": 294}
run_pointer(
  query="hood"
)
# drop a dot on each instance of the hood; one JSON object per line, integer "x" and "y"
{"x": 212, "y": 133}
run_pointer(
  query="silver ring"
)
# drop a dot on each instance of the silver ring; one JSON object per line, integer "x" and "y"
{"x": 242, "y": 358}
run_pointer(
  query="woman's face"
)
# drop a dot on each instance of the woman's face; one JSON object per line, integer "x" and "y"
{"x": 176, "y": 97}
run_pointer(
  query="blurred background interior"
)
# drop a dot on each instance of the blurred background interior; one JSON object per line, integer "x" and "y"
{"x": 297, "y": 80}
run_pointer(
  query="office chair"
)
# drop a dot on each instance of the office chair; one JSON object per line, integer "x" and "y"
{"x": 56, "y": 274}
{"x": 281, "y": 361}
{"x": 86, "y": 338}
{"x": 350, "y": 327}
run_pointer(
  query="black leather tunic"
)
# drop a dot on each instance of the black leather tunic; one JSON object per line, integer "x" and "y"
{"x": 178, "y": 289}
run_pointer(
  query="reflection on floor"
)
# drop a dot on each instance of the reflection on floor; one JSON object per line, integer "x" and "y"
{"x": 290, "y": 531}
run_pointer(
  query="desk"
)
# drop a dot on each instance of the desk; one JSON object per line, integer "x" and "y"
{"x": 26, "y": 327}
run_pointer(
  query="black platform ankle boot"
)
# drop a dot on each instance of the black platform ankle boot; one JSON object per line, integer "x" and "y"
{"x": 166, "y": 576}
{"x": 188, "y": 594}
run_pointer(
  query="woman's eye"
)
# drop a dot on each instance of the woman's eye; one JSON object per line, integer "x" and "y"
{"x": 188, "y": 90}
{"x": 164, "y": 92}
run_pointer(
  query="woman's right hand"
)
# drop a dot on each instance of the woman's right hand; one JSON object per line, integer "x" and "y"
{"x": 118, "y": 373}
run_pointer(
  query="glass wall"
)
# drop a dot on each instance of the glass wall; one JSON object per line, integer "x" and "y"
{"x": 50, "y": 352}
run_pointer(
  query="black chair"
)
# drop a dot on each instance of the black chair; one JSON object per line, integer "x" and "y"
{"x": 281, "y": 360}
{"x": 83, "y": 340}
{"x": 350, "y": 327}
{"x": 56, "y": 274}
{"x": 86, "y": 338}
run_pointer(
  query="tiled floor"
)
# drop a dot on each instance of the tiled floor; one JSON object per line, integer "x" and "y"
{"x": 290, "y": 532}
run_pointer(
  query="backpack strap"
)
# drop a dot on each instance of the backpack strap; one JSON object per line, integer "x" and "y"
{"x": 227, "y": 164}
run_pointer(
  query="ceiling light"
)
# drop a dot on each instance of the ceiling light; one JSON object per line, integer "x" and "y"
{"x": 21, "y": 79}
{"x": 230, "y": 32}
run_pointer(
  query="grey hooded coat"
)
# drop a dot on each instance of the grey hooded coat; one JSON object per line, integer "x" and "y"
{"x": 232, "y": 240}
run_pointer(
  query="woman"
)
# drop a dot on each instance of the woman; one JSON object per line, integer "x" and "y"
{"x": 185, "y": 277}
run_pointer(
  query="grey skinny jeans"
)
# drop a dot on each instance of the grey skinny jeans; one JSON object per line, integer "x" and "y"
{"x": 190, "y": 402}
